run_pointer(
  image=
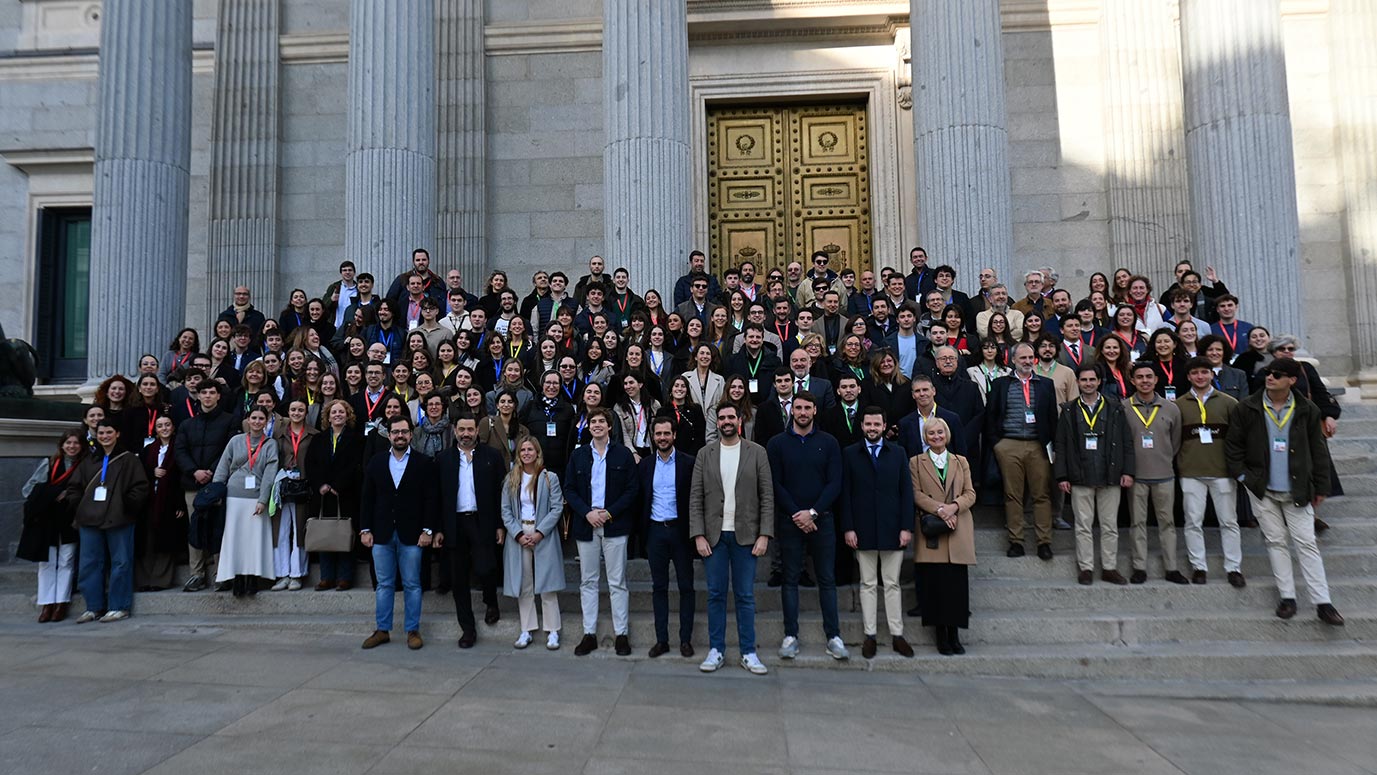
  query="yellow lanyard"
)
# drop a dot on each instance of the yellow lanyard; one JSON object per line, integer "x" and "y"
{"x": 1147, "y": 421}
{"x": 1281, "y": 422}
{"x": 1089, "y": 418}
{"x": 1203, "y": 417}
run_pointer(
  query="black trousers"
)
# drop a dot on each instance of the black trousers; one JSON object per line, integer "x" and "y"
{"x": 462, "y": 567}
{"x": 665, "y": 544}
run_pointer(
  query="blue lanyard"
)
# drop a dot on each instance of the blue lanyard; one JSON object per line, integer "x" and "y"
{"x": 386, "y": 339}
{"x": 104, "y": 465}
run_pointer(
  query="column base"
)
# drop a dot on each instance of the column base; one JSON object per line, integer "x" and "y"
{"x": 1367, "y": 384}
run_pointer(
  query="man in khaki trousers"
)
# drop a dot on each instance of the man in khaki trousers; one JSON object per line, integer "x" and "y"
{"x": 1156, "y": 426}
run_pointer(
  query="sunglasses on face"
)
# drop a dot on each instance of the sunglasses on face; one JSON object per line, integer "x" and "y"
{"x": 1276, "y": 374}
{"x": 1286, "y": 349}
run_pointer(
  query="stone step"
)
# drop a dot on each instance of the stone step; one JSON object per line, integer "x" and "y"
{"x": 1348, "y": 465}
{"x": 1342, "y": 534}
{"x": 1299, "y": 650}
{"x": 1360, "y": 484}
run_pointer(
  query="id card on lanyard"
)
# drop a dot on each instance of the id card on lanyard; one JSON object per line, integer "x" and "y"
{"x": 251, "y": 481}
{"x": 101, "y": 494}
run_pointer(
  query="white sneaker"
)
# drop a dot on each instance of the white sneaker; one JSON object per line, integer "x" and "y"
{"x": 789, "y": 648}
{"x": 293, "y": 585}
{"x": 280, "y": 585}
{"x": 552, "y": 642}
{"x": 714, "y": 661}
{"x": 837, "y": 649}
{"x": 752, "y": 663}
{"x": 522, "y": 641}
{"x": 89, "y": 616}
{"x": 114, "y": 616}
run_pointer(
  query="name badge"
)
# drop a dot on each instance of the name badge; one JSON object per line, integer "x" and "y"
{"x": 1147, "y": 441}
{"x": 250, "y": 482}
{"x": 412, "y": 325}
{"x": 753, "y": 386}
{"x": 1171, "y": 392}
{"x": 550, "y": 429}
{"x": 387, "y": 357}
{"x": 1092, "y": 443}
{"x": 1278, "y": 445}
{"x": 148, "y": 440}
{"x": 1206, "y": 436}
{"x": 832, "y": 348}
{"x": 1029, "y": 418}
{"x": 100, "y": 494}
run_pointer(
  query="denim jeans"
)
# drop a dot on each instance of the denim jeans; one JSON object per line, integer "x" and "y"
{"x": 389, "y": 558}
{"x": 95, "y": 543}
{"x": 336, "y": 566}
{"x": 664, "y": 544}
{"x": 821, "y": 544}
{"x": 730, "y": 559}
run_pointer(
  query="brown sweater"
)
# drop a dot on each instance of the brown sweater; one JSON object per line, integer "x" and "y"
{"x": 126, "y": 491}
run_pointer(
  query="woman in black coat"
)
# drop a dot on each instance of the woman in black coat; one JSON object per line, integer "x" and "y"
{"x": 334, "y": 469}
{"x": 160, "y": 533}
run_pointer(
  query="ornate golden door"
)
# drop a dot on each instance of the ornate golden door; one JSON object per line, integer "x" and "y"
{"x": 786, "y": 181}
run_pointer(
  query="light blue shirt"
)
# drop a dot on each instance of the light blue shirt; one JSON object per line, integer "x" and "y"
{"x": 398, "y": 467}
{"x": 598, "y": 480}
{"x": 664, "y": 505}
{"x": 908, "y": 353}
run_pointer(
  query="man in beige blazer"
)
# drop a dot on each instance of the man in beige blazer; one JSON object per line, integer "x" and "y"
{"x": 731, "y": 527}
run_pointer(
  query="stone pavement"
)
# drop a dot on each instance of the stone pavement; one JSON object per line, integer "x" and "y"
{"x": 150, "y": 695}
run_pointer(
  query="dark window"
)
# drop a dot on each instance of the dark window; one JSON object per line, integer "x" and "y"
{"x": 64, "y": 267}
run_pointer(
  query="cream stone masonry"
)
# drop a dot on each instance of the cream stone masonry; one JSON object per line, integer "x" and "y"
{"x": 1238, "y": 139}
{"x": 646, "y": 184}
{"x": 243, "y": 219}
{"x": 141, "y": 177}
{"x": 462, "y": 107}
{"x": 961, "y": 136}
{"x": 390, "y": 172}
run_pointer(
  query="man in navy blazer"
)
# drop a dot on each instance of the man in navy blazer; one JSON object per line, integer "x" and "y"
{"x": 666, "y": 477}
{"x": 601, "y": 488}
{"x": 876, "y": 515}
{"x": 911, "y": 425}
{"x": 800, "y": 363}
{"x": 397, "y": 521}
{"x": 470, "y": 510}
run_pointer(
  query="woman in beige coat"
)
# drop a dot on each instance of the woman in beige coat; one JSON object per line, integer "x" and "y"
{"x": 942, "y": 486}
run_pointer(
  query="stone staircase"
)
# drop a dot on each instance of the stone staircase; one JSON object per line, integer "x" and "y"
{"x": 1030, "y": 617}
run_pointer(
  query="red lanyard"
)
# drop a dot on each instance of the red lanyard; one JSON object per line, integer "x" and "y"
{"x": 153, "y": 419}
{"x": 296, "y": 444}
{"x": 57, "y": 478}
{"x": 177, "y": 363}
{"x": 253, "y": 453}
{"x": 371, "y": 406}
{"x": 1027, "y": 392}
{"x": 1168, "y": 369}
{"x": 189, "y": 411}
{"x": 1119, "y": 377}
{"x": 1232, "y": 340}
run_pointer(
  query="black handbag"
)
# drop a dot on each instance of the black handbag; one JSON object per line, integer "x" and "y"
{"x": 934, "y": 527}
{"x": 293, "y": 491}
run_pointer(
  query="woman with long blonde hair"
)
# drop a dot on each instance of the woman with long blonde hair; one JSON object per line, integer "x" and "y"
{"x": 533, "y": 564}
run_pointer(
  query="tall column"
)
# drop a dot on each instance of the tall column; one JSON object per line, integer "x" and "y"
{"x": 389, "y": 174}
{"x": 1353, "y": 28}
{"x": 646, "y": 184}
{"x": 1149, "y": 209}
{"x": 143, "y": 157}
{"x": 243, "y": 156}
{"x": 463, "y": 174}
{"x": 1238, "y": 144}
{"x": 961, "y": 136}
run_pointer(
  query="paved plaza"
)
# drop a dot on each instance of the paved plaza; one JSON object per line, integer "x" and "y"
{"x": 150, "y": 695}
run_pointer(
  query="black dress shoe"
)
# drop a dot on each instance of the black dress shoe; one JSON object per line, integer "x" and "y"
{"x": 901, "y": 646}
{"x": 442, "y": 589}
{"x": 586, "y": 646}
{"x": 954, "y": 640}
{"x": 1015, "y": 550}
{"x": 914, "y": 612}
{"x": 659, "y": 649}
{"x": 805, "y": 580}
{"x": 1085, "y": 578}
{"x": 776, "y": 579}
{"x": 1236, "y": 580}
{"x": 1286, "y": 608}
{"x": 467, "y": 640}
{"x": 685, "y": 650}
{"x": 1138, "y": 577}
{"x": 223, "y": 586}
{"x": 1176, "y": 577}
{"x": 943, "y": 645}
{"x": 1113, "y": 577}
{"x": 1320, "y": 527}
{"x": 1199, "y": 577}
{"x": 1044, "y": 552}
{"x": 492, "y": 616}
{"x": 623, "y": 646}
{"x": 1329, "y": 615}
{"x": 868, "y": 647}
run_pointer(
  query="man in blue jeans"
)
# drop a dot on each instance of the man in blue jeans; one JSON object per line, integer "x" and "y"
{"x": 806, "y": 465}
{"x": 731, "y": 495}
{"x": 397, "y": 520}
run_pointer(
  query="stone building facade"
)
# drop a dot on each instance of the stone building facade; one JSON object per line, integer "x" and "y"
{"x": 277, "y": 137}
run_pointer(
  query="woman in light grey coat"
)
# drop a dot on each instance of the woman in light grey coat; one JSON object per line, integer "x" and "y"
{"x": 533, "y": 563}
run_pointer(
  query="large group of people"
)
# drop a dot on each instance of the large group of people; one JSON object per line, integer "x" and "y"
{"x": 834, "y": 423}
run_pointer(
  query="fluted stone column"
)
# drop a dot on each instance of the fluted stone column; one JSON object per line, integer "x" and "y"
{"x": 462, "y": 242}
{"x": 1145, "y": 141}
{"x": 1238, "y": 144}
{"x": 960, "y": 135}
{"x": 242, "y": 225}
{"x": 142, "y": 161}
{"x": 646, "y": 186}
{"x": 1353, "y": 27}
{"x": 389, "y": 174}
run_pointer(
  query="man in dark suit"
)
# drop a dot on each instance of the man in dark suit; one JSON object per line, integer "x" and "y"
{"x": 470, "y": 502}
{"x": 926, "y": 408}
{"x": 666, "y": 479}
{"x": 843, "y": 421}
{"x": 772, "y": 415}
{"x": 755, "y": 362}
{"x": 601, "y": 489}
{"x": 1020, "y": 421}
{"x": 397, "y": 521}
{"x": 367, "y": 403}
{"x": 876, "y": 516}
{"x": 801, "y": 364}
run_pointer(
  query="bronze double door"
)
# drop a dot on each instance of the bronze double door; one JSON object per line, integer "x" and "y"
{"x": 787, "y": 181}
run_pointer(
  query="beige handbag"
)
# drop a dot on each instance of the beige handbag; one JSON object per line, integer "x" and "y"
{"x": 329, "y": 534}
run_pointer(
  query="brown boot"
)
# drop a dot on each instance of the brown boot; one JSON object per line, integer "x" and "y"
{"x": 45, "y": 614}
{"x": 378, "y": 638}
{"x": 60, "y": 611}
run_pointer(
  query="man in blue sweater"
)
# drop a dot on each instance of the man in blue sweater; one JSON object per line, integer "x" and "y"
{"x": 806, "y": 466}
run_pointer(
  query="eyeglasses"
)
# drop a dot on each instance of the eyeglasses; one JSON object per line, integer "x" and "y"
{"x": 1276, "y": 373}
{"x": 566, "y": 365}
{"x": 1286, "y": 349}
